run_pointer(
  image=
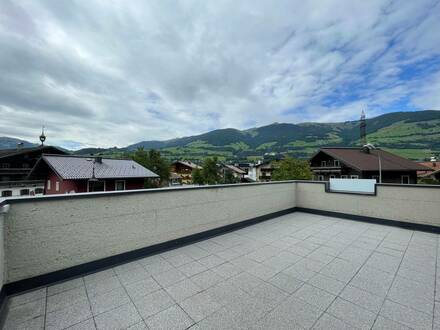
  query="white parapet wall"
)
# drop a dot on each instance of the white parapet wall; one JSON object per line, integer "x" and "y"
{"x": 47, "y": 234}
{"x": 408, "y": 203}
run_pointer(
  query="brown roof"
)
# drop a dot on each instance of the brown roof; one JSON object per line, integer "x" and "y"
{"x": 363, "y": 161}
{"x": 188, "y": 164}
{"x": 235, "y": 169}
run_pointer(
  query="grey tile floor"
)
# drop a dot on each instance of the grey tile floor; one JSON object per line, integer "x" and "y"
{"x": 299, "y": 271}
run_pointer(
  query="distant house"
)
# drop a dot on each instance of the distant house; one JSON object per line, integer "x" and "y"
{"x": 174, "y": 179}
{"x": 434, "y": 175}
{"x": 64, "y": 174}
{"x": 184, "y": 169}
{"x": 363, "y": 163}
{"x": 264, "y": 171}
{"x": 237, "y": 173}
{"x": 250, "y": 171}
{"x": 432, "y": 165}
{"x": 15, "y": 166}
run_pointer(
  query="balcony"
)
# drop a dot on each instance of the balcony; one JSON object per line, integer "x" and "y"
{"x": 299, "y": 262}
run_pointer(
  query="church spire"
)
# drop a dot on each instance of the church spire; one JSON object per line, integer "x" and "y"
{"x": 42, "y": 136}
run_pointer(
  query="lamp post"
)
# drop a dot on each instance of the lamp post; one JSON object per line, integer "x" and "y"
{"x": 380, "y": 168}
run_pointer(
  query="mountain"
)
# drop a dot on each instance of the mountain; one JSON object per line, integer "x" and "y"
{"x": 414, "y": 135}
{"x": 11, "y": 143}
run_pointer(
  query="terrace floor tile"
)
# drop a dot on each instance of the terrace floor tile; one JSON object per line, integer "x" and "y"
{"x": 298, "y": 271}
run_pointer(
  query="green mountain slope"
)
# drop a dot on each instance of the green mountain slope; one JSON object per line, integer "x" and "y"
{"x": 414, "y": 135}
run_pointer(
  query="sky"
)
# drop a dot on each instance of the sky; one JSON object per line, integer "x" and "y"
{"x": 112, "y": 73}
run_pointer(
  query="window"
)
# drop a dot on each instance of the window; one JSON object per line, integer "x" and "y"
{"x": 6, "y": 193}
{"x": 96, "y": 186}
{"x": 48, "y": 184}
{"x": 25, "y": 165}
{"x": 38, "y": 191}
{"x": 375, "y": 177}
{"x": 323, "y": 163}
{"x": 119, "y": 185}
{"x": 57, "y": 186}
{"x": 344, "y": 176}
{"x": 6, "y": 165}
{"x": 332, "y": 176}
{"x": 336, "y": 163}
{"x": 24, "y": 192}
{"x": 354, "y": 177}
{"x": 320, "y": 177}
{"x": 405, "y": 179}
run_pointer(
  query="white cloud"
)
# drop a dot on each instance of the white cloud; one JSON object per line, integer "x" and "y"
{"x": 113, "y": 73}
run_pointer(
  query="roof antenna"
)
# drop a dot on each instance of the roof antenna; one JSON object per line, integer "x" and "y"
{"x": 42, "y": 136}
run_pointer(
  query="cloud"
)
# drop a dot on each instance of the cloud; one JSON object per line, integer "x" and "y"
{"x": 112, "y": 73}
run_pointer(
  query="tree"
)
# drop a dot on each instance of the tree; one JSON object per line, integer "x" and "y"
{"x": 228, "y": 177}
{"x": 209, "y": 174}
{"x": 210, "y": 171}
{"x": 292, "y": 169}
{"x": 197, "y": 176}
{"x": 154, "y": 162}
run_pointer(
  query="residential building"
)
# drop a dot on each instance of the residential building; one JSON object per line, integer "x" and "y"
{"x": 364, "y": 163}
{"x": 65, "y": 174}
{"x": 433, "y": 165}
{"x": 174, "y": 179}
{"x": 237, "y": 173}
{"x": 184, "y": 168}
{"x": 15, "y": 166}
{"x": 250, "y": 171}
{"x": 264, "y": 171}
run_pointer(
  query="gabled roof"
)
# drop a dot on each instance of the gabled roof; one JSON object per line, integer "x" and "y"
{"x": 363, "y": 161}
{"x": 188, "y": 163}
{"x": 235, "y": 169}
{"x": 77, "y": 167}
{"x": 44, "y": 149}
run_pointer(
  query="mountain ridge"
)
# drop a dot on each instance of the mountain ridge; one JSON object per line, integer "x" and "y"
{"x": 414, "y": 135}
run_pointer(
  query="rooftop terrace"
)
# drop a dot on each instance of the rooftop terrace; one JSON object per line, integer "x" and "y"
{"x": 284, "y": 255}
{"x": 297, "y": 271}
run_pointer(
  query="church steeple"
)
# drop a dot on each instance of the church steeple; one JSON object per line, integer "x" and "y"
{"x": 42, "y": 136}
{"x": 363, "y": 129}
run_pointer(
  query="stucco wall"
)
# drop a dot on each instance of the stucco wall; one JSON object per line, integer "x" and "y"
{"x": 53, "y": 233}
{"x": 2, "y": 249}
{"x": 415, "y": 204}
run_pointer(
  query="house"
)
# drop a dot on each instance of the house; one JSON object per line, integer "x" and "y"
{"x": 15, "y": 166}
{"x": 174, "y": 180}
{"x": 433, "y": 165}
{"x": 184, "y": 168}
{"x": 65, "y": 174}
{"x": 264, "y": 171}
{"x": 364, "y": 163}
{"x": 433, "y": 175}
{"x": 250, "y": 171}
{"x": 237, "y": 173}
